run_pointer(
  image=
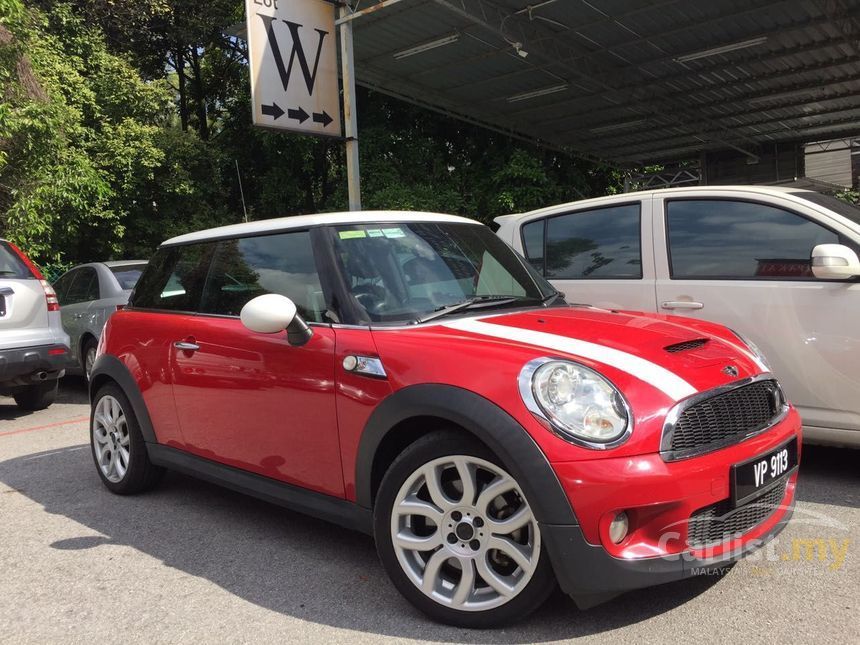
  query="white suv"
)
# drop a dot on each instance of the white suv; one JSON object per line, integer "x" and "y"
{"x": 34, "y": 349}
{"x": 777, "y": 265}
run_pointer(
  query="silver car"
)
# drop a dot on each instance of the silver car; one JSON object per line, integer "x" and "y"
{"x": 34, "y": 349}
{"x": 89, "y": 294}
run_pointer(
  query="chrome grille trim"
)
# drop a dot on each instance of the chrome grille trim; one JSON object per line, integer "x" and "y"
{"x": 666, "y": 451}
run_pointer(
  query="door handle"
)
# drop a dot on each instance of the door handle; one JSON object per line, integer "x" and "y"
{"x": 681, "y": 304}
{"x": 186, "y": 346}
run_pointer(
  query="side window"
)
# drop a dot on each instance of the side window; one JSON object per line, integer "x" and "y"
{"x": 174, "y": 278}
{"x": 603, "y": 243}
{"x": 533, "y": 243}
{"x": 248, "y": 267}
{"x": 82, "y": 286}
{"x": 62, "y": 285}
{"x": 713, "y": 239}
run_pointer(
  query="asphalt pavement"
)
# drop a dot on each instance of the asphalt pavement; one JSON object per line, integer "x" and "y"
{"x": 193, "y": 563}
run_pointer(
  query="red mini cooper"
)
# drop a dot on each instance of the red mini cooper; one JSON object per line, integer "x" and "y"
{"x": 410, "y": 376}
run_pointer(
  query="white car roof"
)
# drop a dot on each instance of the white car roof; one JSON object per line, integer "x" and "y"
{"x": 760, "y": 190}
{"x": 305, "y": 221}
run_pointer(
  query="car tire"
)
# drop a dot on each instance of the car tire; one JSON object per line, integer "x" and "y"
{"x": 440, "y": 553}
{"x": 88, "y": 356}
{"x": 117, "y": 445}
{"x": 37, "y": 396}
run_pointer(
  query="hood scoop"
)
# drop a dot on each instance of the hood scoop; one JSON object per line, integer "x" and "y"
{"x": 686, "y": 346}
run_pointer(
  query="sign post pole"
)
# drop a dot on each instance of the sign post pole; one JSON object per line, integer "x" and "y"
{"x": 350, "y": 121}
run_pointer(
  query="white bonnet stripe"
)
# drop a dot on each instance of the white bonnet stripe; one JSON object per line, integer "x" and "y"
{"x": 659, "y": 377}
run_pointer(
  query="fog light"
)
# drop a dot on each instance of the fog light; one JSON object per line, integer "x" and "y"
{"x": 618, "y": 527}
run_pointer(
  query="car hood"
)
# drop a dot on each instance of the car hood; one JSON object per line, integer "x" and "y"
{"x": 674, "y": 355}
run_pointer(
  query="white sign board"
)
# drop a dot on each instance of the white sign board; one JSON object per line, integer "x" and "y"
{"x": 292, "y": 47}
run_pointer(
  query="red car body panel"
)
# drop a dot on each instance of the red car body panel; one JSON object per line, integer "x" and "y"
{"x": 291, "y": 413}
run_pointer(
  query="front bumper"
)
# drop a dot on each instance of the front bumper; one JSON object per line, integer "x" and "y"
{"x": 24, "y": 365}
{"x": 659, "y": 498}
{"x": 590, "y": 575}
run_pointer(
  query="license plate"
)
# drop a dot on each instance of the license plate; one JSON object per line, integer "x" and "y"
{"x": 754, "y": 477}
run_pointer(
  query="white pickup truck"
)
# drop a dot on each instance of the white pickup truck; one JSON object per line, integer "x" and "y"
{"x": 777, "y": 265}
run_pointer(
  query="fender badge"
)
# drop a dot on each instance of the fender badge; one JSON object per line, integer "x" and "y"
{"x": 730, "y": 370}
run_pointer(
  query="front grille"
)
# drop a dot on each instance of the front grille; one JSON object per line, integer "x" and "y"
{"x": 687, "y": 345}
{"x": 724, "y": 418}
{"x": 718, "y": 522}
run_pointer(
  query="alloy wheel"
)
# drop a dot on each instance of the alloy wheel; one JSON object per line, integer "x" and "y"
{"x": 111, "y": 439}
{"x": 89, "y": 361}
{"x": 464, "y": 533}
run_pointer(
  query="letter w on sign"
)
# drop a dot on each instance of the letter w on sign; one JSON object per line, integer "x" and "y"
{"x": 297, "y": 52}
{"x": 293, "y": 63}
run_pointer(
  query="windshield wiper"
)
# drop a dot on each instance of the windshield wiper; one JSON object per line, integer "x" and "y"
{"x": 466, "y": 304}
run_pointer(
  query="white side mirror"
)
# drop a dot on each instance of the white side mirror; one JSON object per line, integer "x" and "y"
{"x": 268, "y": 314}
{"x": 834, "y": 262}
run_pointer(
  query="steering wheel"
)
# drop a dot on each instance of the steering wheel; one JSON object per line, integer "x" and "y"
{"x": 370, "y": 296}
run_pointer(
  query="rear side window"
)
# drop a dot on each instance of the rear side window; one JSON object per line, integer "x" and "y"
{"x": 174, "y": 278}
{"x": 83, "y": 286}
{"x": 127, "y": 275}
{"x": 602, "y": 243}
{"x": 740, "y": 240}
{"x": 249, "y": 267}
{"x": 11, "y": 266}
{"x": 533, "y": 243}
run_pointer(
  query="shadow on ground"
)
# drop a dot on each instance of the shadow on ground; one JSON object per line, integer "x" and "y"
{"x": 829, "y": 476}
{"x": 73, "y": 390}
{"x": 282, "y": 561}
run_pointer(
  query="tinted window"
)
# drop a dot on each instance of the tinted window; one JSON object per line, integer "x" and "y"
{"x": 11, "y": 266}
{"x": 62, "y": 285}
{"x": 741, "y": 240}
{"x": 836, "y": 205}
{"x": 173, "y": 279}
{"x": 127, "y": 275}
{"x": 246, "y": 268}
{"x": 593, "y": 244}
{"x": 533, "y": 243}
{"x": 84, "y": 287}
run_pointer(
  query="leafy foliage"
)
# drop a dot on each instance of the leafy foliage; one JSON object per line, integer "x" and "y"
{"x": 124, "y": 122}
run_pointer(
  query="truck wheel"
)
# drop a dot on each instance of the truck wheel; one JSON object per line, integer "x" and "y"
{"x": 37, "y": 396}
{"x": 117, "y": 444}
{"x": 457, "y": 536}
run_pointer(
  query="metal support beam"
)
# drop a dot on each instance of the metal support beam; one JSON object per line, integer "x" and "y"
{"x": 349, "y": 16}
{"x": 350, "y": 120}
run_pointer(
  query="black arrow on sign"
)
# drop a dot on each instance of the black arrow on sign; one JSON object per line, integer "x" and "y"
{"x": 323, "y": 118}
{"x": 299, "y": 115}
{"x": 274, "y": 110}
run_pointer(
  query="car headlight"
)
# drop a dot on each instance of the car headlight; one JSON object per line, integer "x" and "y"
{"x": 754, "y": 349}
{"x": 581, "y": 406}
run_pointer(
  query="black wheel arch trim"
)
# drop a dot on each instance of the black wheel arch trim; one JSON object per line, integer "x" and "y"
{"x": 111, "y": 367}
{"x": 489, "y": 423}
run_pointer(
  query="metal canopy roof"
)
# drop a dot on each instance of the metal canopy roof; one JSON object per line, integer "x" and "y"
{"x": 630, "y": 81}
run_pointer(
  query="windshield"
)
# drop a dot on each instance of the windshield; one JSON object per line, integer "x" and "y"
{"x": 402, "y": 272}
{"x": 127, "y": 274}
{"x": 836, "y": 205}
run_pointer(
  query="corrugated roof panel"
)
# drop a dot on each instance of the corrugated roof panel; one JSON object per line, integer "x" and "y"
{"x": 618, "y": 59}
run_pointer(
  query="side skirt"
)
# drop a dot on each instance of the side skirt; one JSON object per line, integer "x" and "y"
{"x": 324, "y": 507}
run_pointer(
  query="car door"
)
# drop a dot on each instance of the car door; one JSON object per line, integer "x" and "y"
{"x": 745, "y": 262}
{"x": 252, "y": 400}
{"x": 79, "y": 288}
{"x": 597, "y": 255}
